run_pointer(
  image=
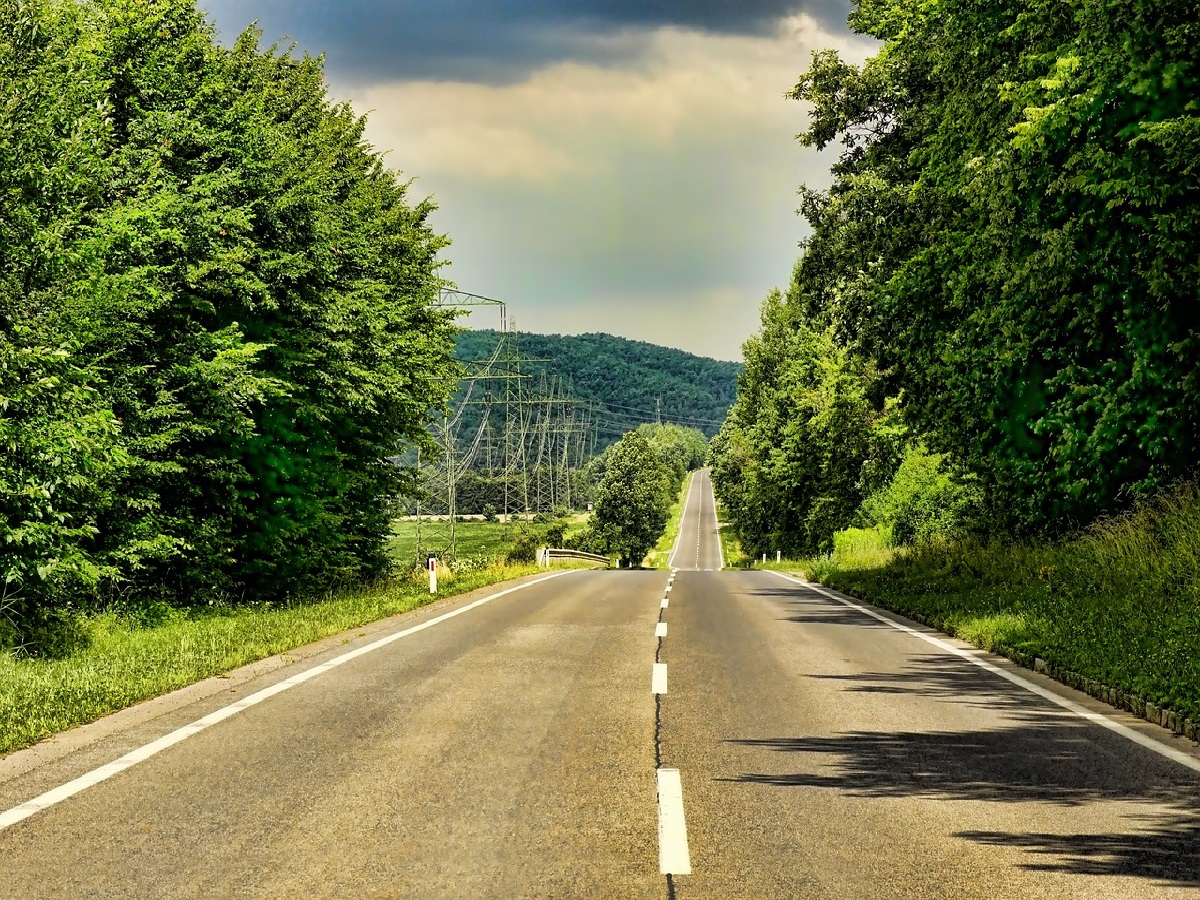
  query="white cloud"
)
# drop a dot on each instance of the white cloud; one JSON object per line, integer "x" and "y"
{"x": 663, "y": 190}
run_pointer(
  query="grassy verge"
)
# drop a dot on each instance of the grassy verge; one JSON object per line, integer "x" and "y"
{"x": 123, "y": 665}
{"x": 731, "y": 547}
{"x": 659, "y": 556}
{"x": 1114, "y": 611}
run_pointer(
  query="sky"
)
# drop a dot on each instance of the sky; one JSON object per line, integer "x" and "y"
{"x": 627, "y": 166}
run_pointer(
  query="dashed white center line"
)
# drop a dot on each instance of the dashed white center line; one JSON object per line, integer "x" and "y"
{"x": 660, "y": 630}
{"x": 666, "y": 600}
{"x": 673, "y": 855}
{"x": 658, "y": 679}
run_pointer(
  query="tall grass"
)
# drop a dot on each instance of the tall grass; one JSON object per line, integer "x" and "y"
{"x": 1118, "y": 604}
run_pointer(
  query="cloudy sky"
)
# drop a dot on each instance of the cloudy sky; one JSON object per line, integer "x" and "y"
{"x": 627, "y": 166}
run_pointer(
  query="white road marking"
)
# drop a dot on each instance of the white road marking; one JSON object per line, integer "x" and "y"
{"x": 660, "y": 630}
{"x": 668, "y": 589}
{"x": 141, "y": 754}
{"x": 673, "y": 855}
{"x": 1070, "y": 705}
{"x": 665, "y": 602}
{"x": 658, "y": 679}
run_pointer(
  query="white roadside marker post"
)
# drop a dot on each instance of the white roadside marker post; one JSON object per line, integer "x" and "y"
{"x": 433, "y": 574}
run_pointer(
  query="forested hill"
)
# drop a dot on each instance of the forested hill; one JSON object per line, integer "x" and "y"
{"x": 627, "y": 377}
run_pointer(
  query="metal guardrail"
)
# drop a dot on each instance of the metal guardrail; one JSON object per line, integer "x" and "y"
{"x": 546, "y": 554}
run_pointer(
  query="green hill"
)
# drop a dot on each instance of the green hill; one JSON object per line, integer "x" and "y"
{"x": 625, "y": 382}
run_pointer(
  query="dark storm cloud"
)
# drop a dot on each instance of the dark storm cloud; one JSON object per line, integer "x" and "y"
{"x": 495, "y": 41}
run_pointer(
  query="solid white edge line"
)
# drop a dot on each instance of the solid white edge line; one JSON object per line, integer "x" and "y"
{"x": 660, "y": 630}
{"x": 141, "y": 754}
{"x": 1083, "y": 712}
{"x": 658, "y": 679}
{"x": 673, "y": 855}
{"x": 687, "y": 498}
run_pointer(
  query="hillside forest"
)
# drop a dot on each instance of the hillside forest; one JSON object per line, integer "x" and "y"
{"x": 628, "y": 382}
{"x": 993, "y": 329}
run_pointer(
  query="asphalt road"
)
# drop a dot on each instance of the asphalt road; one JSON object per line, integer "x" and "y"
{"x": 517, "y": 750}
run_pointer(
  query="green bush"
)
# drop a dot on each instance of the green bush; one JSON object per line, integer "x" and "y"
{"x": 525, "y": 544}
{"x": 924, "y": 502}
{"x": 555, "y": 534}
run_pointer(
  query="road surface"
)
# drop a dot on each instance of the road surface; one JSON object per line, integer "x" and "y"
{"x": 798, "y": 747}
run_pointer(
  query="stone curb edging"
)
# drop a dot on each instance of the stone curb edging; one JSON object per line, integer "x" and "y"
{"x": 1129, "y": 702}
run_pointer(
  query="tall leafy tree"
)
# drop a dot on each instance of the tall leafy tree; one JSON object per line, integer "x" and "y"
{"x": 809, "y": 438}
{"x": 246, "y": 293}
{"x": 1021, "y": 179}
{"x": 633, "y": 500}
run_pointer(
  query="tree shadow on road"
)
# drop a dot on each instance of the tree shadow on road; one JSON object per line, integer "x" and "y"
{"x": 813, "y": 609}
{"x": 1167, "y": 852}
{"x": 1049, "y": 759}
{"x": 945, "y": 678}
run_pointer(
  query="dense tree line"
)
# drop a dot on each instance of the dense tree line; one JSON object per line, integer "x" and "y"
{"x": 1001, "y": 285}
{"x": 216, "y": 317}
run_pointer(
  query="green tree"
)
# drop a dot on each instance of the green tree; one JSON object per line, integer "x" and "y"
{"x": 58, "y": 454}
{"x": 1012, "y": 236}
{"x": 809, "y": 438}
{"x": 680, "y": 449}
{"x": 244, "y": 288}
{"x": 633, "y": 500}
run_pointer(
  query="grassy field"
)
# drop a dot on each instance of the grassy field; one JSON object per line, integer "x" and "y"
{"x": 473, "y": 538}
{"x": 1114, "y": 610}
{"x": 123, "y": 665}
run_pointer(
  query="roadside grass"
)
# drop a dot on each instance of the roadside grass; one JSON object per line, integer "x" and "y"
{"x": 474, "y": 538}
{"x": 659, "y": 556}
{"x": 123, "y": 664}
{"x": 1113, "y": 609}
{"x": 731, "y": 547}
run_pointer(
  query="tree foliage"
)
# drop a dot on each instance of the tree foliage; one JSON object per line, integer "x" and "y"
{"x": 633, "y": 500}
{"x": 1011, "y": 242}
{"x": 681, "y": 450}
{"x": 233, "y": 292}
{"x": 809, "y": 438}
